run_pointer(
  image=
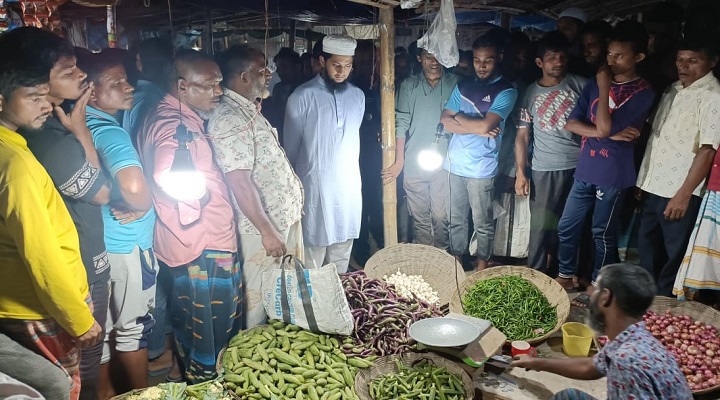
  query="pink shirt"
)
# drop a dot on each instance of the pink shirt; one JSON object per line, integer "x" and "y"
{"x": 185, "y": 229}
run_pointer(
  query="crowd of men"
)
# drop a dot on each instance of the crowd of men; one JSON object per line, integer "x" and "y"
{"x": 118, "y": 263}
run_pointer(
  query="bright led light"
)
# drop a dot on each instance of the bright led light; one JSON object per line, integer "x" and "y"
{"x": 183, "y": 185}
{"x": 430, "y": 160}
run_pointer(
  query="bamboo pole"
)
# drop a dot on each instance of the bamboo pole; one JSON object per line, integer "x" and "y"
{"x": 387, "y": 104}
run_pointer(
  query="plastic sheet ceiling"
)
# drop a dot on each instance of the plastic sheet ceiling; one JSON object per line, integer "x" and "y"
{"x": 326, "y": 12}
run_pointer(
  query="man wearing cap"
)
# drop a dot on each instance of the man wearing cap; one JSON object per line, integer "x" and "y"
{"x": 571, "y": 23}
{"x": 322, "y": 141}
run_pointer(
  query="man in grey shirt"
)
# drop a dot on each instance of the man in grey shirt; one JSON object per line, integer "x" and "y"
{"x": 555, "y": 151}
{"x": 418, "y": 108}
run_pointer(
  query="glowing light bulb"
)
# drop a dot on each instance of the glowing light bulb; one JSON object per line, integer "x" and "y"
{"x": 430, "y": 159}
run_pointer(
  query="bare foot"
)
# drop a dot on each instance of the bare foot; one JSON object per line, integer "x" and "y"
{"x": 164, "y": 362}
{"x": 481, "y": 265}
{"x": 566, "y": 283}
{"x": 175, "y": 374}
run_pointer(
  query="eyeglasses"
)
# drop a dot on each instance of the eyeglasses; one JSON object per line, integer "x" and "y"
{"x": 207, "y": 86}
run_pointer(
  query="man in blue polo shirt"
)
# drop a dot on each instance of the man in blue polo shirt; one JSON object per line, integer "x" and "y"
{"x": 129, "y": 223}
{"x": 475, "y": 115}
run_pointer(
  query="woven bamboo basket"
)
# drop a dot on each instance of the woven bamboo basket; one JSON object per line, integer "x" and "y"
{"x": 127, "y": 395}
{"x": 386, "y": 365}
{"x": 556, "y": 295}
{"x": 219, "y": 362}
{"x": 436, "y": 266}
{"x": 699, "y": 312}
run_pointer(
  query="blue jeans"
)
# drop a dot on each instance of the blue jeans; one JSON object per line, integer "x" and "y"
{"x": 606, "y": 201}
{"x": 476, "y": 195}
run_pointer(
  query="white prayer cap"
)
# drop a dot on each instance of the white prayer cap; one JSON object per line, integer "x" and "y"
{"x": 340, "y": 45}
{"x": 574, "y": 12}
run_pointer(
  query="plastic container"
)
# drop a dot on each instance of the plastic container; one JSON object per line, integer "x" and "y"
{"x": 577, "y": 339}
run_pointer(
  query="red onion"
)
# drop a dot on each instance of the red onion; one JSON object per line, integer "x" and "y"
{"x": 695, "y": 346}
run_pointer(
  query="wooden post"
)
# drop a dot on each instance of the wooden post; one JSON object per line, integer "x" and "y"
{"x": 387, "y": 103}
{"x": 505, "y": 20}
{"x": 293, "y": 35}
{"x": 209, "y": 31}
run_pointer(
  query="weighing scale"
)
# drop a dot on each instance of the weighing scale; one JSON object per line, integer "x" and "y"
{"x": 476, "y": 353}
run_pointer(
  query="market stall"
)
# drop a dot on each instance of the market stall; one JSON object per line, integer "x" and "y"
{"x": 406, "y": 343}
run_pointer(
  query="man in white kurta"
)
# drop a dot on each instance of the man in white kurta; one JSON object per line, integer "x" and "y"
{"x": 322, "y": 142}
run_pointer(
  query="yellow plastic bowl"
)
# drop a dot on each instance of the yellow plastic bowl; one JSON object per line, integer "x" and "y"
{"x": 577, "y": 339}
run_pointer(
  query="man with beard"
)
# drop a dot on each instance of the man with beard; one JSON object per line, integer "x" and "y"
{"x": 637, "y": 365}
{"x": 543, "y": 114}
{"x": 476, "y": 115}
{"x": 268, "y": 194}
{"x": 64, "y": 147}
{"x": 608, "y": 116}
{"x": 45, "y": 303}
{"x": 322, "y": 140}
{"x": 128, "y": 221}
{"x": 195, "y": 232}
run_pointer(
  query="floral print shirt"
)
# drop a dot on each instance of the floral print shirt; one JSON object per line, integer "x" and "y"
{"x": 244, "y": 139}
{"x": 638, "y": 367}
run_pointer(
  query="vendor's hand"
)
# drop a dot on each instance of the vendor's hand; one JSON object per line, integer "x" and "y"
{"x": 523, "y": 361}
{"x": 125, "y": 215}
{"x": 677, "y": 206}
{"x": 626, "y": 135}
{"x": 392, "y": 172}
{"x": 604, "y": 76}
{"x": 91, "y": 337}
{"x": 273, "y": 243}
{"x": 75, "y": 120}
{"x": 522, "y": 185}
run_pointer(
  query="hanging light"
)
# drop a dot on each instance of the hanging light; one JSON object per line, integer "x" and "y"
{"x": 183, "y": 181}
{"x": 432, "y": 159}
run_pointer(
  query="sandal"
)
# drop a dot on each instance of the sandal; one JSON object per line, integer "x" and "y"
{"x": 171, "y": 379}
{"x": 581, "y": 301}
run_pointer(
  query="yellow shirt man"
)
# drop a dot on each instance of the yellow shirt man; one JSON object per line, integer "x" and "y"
{"x": 41, "y": 272}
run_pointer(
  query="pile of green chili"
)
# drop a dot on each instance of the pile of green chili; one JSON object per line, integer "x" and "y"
{"x": 423, "y": 380}
{"x": 514, "y": 305}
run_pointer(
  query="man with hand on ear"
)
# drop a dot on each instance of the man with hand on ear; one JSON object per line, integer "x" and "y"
{"x": 65, "y": 149}
{"x": 636, "y": 365}
{"x": 45, "y": 303}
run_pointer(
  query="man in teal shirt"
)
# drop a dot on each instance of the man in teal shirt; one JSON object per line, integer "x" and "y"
{"x": 417, "y": 113}
{"x": 129, "y": 221}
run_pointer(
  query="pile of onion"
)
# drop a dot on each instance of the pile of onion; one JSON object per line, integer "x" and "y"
{"x": 695, "y": 346}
